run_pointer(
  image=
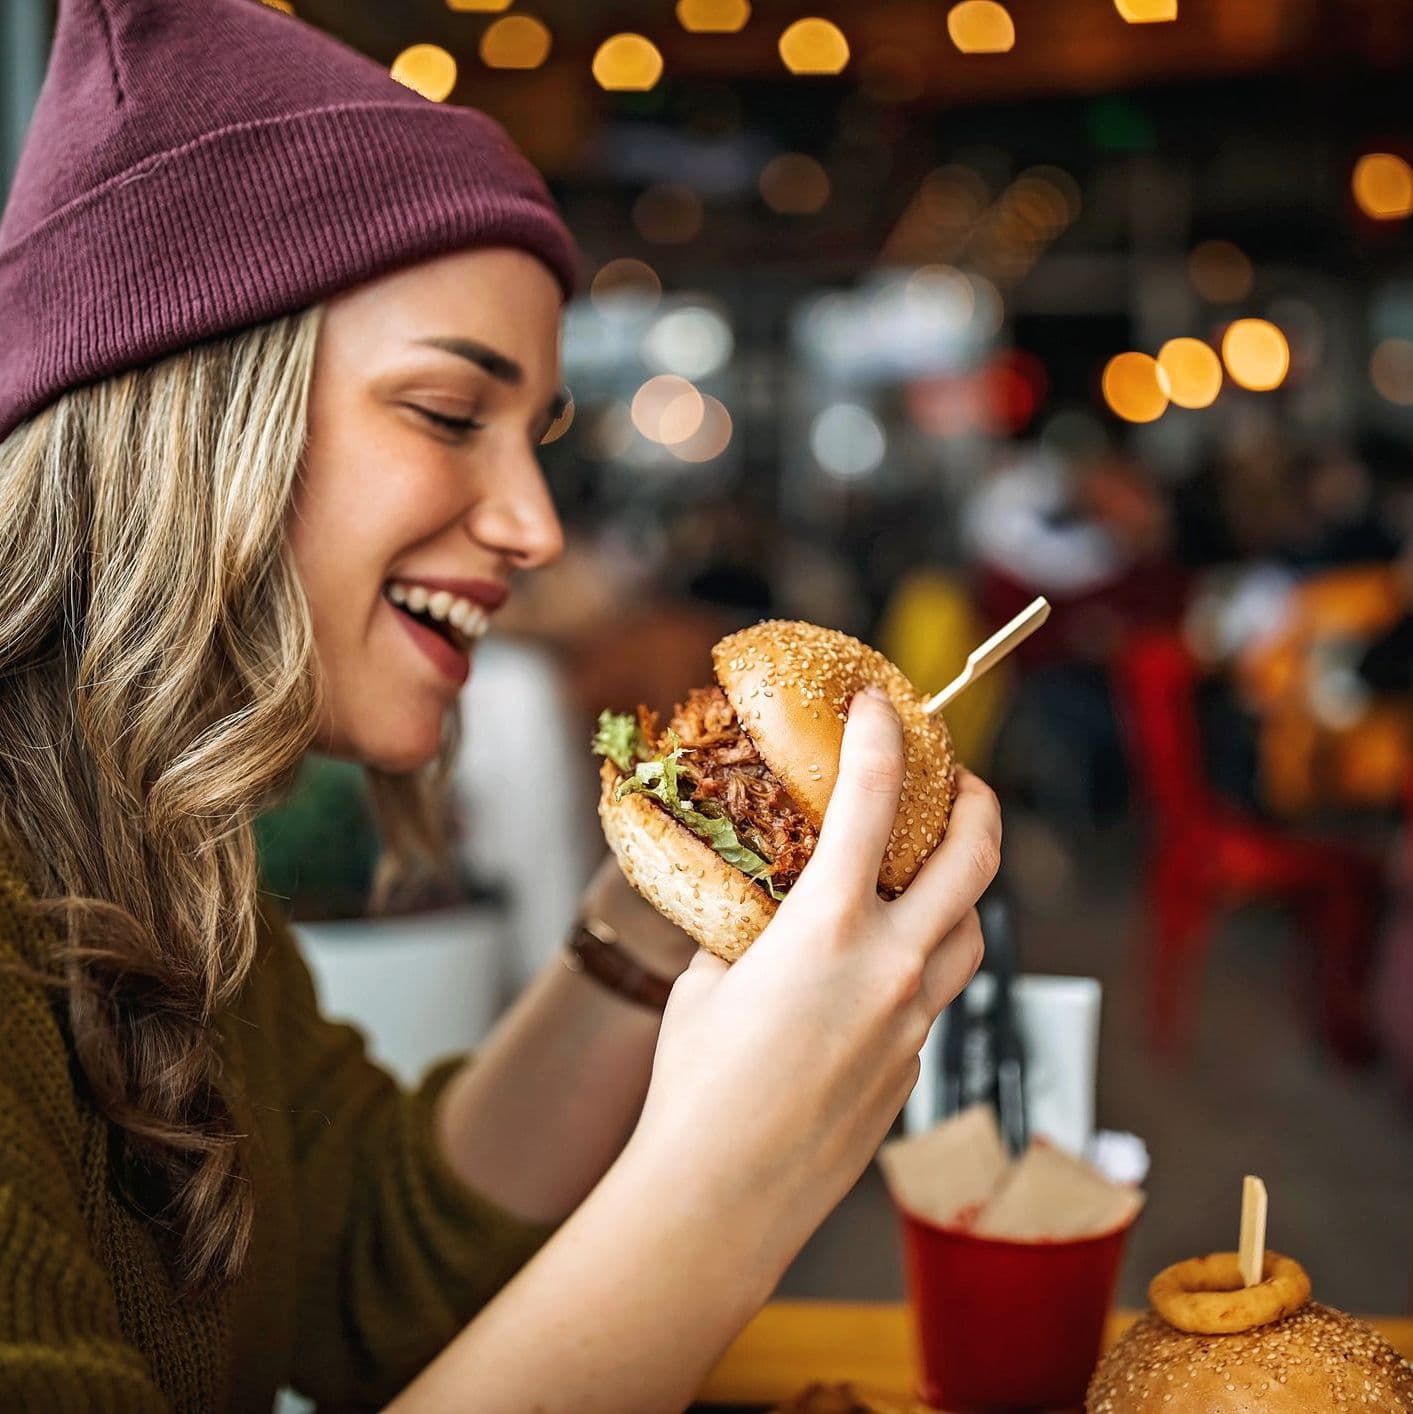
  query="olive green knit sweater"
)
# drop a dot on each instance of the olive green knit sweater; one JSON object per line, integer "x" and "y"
{"x": 369, "y": 1254}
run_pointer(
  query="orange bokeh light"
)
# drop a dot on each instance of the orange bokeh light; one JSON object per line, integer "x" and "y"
{"x": 1383, "y": 186}
{"x": 981, "y": 27}
{"x": 1194, "y": 372}
{"x": 1135, "y": 388}
{"x": 627, "y": 63}
{"x": 814, "y": 46}
{"x": 1256, "y": 354}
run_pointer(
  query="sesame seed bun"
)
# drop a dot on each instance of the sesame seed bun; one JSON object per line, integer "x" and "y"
{"x": 789, "y": 684}
{"x": 683, "y": 877}
{"x": 1315, "y": 1359}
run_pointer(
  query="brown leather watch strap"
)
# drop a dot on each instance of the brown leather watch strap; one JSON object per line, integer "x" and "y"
{"x": 593, "y": 949}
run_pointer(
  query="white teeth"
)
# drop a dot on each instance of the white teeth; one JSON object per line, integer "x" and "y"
{"x": 470, "y": 620}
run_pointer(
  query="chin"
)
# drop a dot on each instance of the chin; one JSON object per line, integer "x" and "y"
{"x": 397, "y": 751}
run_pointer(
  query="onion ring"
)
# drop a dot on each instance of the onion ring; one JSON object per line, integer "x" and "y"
{"x": 1204, "y": 1296}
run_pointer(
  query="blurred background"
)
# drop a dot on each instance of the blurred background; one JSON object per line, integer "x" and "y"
{"x": 895, "y": 315}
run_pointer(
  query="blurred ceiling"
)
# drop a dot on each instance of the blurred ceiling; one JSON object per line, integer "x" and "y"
{"x": 1063, "y": 46}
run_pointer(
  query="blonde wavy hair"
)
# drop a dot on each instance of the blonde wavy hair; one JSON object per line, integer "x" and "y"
{"x": 158, "y": 689}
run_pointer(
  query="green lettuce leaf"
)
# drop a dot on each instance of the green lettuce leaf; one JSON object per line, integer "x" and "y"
{"x": 658, "y": 778}
{"x": 619, "y": 739}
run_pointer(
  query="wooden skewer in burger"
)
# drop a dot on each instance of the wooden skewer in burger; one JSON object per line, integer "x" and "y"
{"x": 1237, "y": 1333}
{"x": 713, "y": 818}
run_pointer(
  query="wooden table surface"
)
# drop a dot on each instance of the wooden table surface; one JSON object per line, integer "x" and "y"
{"x": 792, "y": 1343}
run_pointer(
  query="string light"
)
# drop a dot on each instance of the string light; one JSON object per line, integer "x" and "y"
{"x": 625, "y": 280}
{"x": 814, "y": 46}
{"x": 981, "y": 27}
{"x": 1256, "y": 354}
{"x": 1391, "y": 368}
{"x": 515, "y": 42}
{"x": 710, "y": 439}
{"x": 1383, "y": 186}
{"x": 794, "y": 184}
{"x": 667, "y": 409}
{"x": 1193, "y": 370}
{"x": 1220, "y": 272}
{"x": 713, "y": 16}
{"x": 426, "y": 69}
{"x": 627, "y": 63}
{"x": 1146, "y": 12}
{"x": 1135, "y": 387}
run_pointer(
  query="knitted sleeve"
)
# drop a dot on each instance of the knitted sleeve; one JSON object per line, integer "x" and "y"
{"x": 62, "y": 1349}
{"x": 397, "y": 1254}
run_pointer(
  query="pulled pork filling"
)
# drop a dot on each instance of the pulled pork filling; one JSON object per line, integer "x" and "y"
{"x": 721, "y": 763}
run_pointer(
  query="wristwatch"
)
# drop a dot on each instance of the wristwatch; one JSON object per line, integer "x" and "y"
{"x": 593, "y": 949}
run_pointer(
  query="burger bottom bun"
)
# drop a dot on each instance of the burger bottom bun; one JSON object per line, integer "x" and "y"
{"x": 1319, "y": 1359}
{"x": 686, "y": 880}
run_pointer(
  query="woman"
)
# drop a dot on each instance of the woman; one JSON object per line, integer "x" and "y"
{"x": 285, "y": 335}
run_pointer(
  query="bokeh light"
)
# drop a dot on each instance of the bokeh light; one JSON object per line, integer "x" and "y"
{"x": 627, "y": 63}
{"x": 945, "y": 297}
{"x": 1135, "y": 388}
{"x": 710, "y": 439}
{"x": 667, "y": 409}
{"x": 1256, "y": 354}
{"x": 713, "y": 16}
{"x": 1220, "y": 272}
{"x": 515, "y": 42}
{"x": 847, "y": 440}
{"x": 480, "y": 7}
{"x": 1194, "y": 372}
{"x": 560, "y": 425}
{"x": 1391, "y": 368}
{"x": 693, "y": 341}
{"x": 1147, "y": 12}
{"x": 282, "y": 5}
{"x": 668, "y": 214}
{"x": 794, "y": 184}
{"x": 981, "y": 27}
{"x": 814, "y": 46}
{"x": 426, "y": 69}
{"x": 625, "y": 282}
{"x": 1383, "y": 186}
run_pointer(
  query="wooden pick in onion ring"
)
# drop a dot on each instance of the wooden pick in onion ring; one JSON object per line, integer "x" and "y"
{"x": 1205, "y": 1296}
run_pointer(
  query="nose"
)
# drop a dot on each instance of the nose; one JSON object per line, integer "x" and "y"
{"x": 517, "y": 517}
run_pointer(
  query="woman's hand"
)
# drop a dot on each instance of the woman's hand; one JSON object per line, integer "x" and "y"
{"x": 776, "y": 1079}
{"x": 645, "y": 935}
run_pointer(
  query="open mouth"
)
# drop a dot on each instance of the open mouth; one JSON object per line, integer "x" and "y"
{"x": 459, "y": 622}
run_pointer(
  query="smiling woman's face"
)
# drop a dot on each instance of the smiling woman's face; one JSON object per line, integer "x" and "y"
{"x": 391, "y": 495}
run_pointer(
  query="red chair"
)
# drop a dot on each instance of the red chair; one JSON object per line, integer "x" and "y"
{"x": 1206, "y": 855}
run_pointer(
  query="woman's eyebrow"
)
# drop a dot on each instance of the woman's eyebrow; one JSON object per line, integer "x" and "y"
{"x": 482, "y": 355}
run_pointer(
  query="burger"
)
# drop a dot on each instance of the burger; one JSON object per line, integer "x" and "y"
{"x": 1213, "y": 1345}
{"x": 713, "y": 817}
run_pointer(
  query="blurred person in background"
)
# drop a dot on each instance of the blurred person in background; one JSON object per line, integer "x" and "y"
{"x": 255, "y": 502}
{"x": 1092, "y": 534}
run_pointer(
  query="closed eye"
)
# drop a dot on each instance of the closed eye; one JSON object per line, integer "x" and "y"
{"x": 460, "y": 425}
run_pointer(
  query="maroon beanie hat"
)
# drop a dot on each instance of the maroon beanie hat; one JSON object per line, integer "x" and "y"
{"x": 198, "y": 166}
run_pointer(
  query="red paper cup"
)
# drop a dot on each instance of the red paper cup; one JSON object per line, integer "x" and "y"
{"x": 1008, "y": 1325}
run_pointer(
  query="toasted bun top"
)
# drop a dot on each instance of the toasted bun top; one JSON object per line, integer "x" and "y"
{"x": 1317, "y": 1359}
{"x": 790, "y": 684}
